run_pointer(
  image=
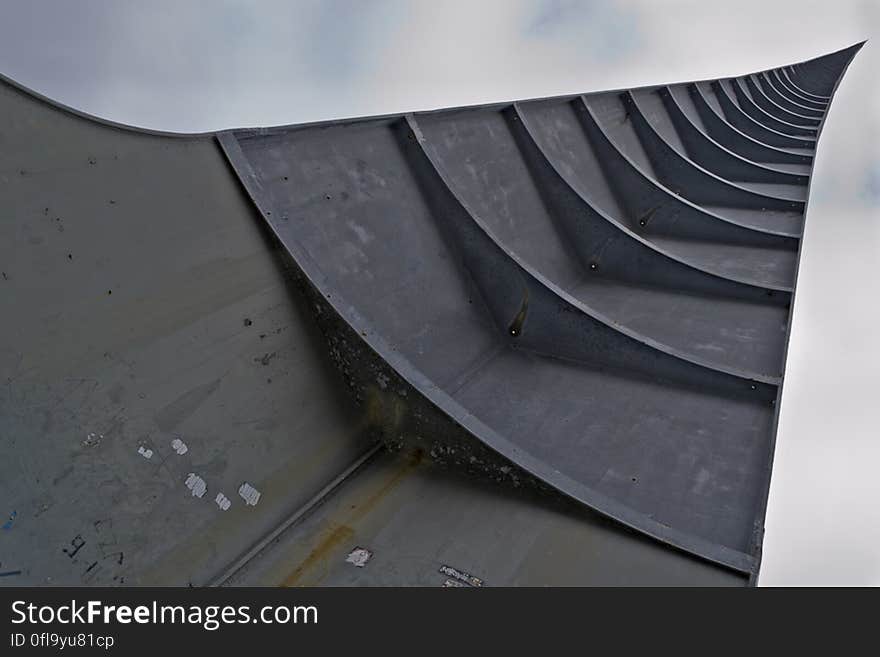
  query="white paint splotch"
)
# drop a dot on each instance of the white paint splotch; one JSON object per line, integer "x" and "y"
{"x": 223, "y": 502}
{"x": 179, "y": 446}
{"x": 359, "y": 557}
{"x": 249, "y": 494}
{"x": 196, "y": 485}
{"x": 92, "y": 439}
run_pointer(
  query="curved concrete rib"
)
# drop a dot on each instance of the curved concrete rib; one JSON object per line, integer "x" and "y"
{"x": 748, "y": 105}
{"x": 533, "y": 333}
{"x": 710, "y": 154}
{"x": 818, "y": 76}
{"x": 658, "y": 211}
{"x": 605, "y": 250}
{"x": 543, "y": 318}
{"x": 603, "y": 242}
{"x": 680, "y": 173}
{"x": 780, "y": 82}
{"x": 763, "y": 100}
{"x": 788, "y": 75}
{"x": 739, "y": 118}
{"x": 724, "y": 107}
{"x": 773, "y": 93}
{"x": 738, "y": 141}
{"x": 821, "y": 75}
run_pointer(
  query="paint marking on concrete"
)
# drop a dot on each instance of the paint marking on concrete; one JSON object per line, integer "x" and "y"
{"x": 461, "y": 576}
{"x": 8, "y": 524}
{"x": 76, "y": 544}
{"x": 359, "y": 557}
{"x": 222, "y": 501}
{"x": 249, "y": 494}
{"x": 196, "y": 484}
{"x": 92, "y": 439}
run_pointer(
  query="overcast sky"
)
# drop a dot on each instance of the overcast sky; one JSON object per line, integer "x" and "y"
{"x": 188, "y": 65}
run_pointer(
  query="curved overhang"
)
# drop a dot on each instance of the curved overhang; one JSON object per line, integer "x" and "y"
{"x": 488, "y": 264}
{"x": 590, "y": 293}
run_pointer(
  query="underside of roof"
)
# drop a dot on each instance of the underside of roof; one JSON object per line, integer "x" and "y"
{"x": 584, "y": 301}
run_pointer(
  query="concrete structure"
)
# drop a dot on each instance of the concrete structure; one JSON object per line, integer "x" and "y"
{"x": 583, "y": 301}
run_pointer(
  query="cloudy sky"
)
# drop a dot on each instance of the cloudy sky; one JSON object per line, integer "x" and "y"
{"x": 198, "y": 65}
